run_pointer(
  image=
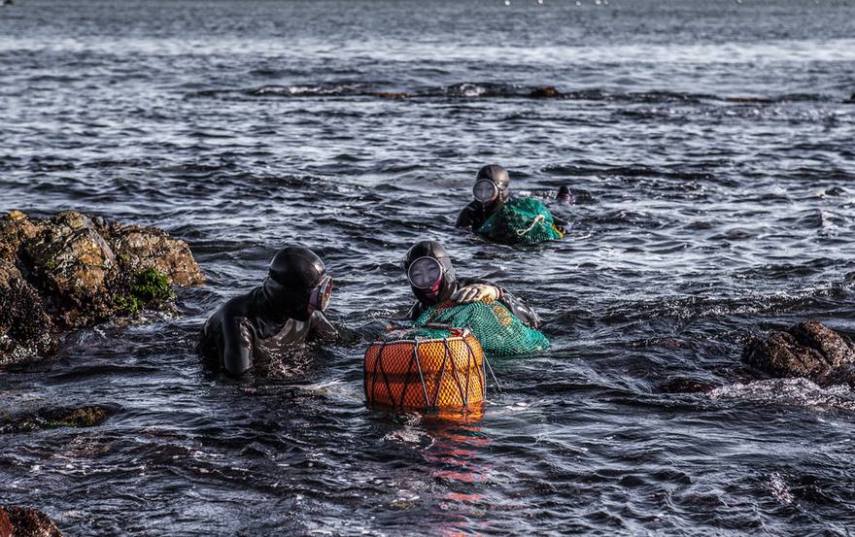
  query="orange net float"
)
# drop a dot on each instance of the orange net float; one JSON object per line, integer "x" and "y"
{"x": 426, "y": 370}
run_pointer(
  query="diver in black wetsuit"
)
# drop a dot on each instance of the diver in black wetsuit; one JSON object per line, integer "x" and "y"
{"x": 491, "y": 191}
{"x": 433, "y": 280}
{"x": 284, "y": 311}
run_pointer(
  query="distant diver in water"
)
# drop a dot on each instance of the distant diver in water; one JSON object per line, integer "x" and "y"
{"x": 287, "y": 309}
{"x": 491, "y": 191}
{"x": 433, "y": 280}
{"x": 494, "y": 215}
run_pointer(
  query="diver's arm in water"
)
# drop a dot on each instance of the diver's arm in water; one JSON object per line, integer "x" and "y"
{"x": 237, "y": 346}
{"x": 321, "y": 329}
{"x": 523, "y": 311}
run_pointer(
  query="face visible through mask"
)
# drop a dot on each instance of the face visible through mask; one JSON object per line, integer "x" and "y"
{"x": 425, "y": 274}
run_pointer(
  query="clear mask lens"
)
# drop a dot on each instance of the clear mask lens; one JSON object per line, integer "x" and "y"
{"x": 485, "y": 191}
{"x": 424, "y": 273}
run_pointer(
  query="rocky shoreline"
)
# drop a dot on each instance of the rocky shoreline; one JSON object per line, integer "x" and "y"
{"x": 74, "y": 271}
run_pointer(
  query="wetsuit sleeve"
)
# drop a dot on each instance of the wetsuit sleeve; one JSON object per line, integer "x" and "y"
{"x": 520, "y": 309}
{"x": 468, "y": 217}
{"x": 237, "y": 346}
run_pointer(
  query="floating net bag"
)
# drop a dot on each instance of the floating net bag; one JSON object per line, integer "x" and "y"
{"x": 426, "y": 369}
{"x": 498, "y": 330}
{"x": 521, "y": 220}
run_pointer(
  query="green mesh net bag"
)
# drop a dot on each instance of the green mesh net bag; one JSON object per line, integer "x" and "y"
{"x": 521, "y": 220}
{"x": 500, "y": 332}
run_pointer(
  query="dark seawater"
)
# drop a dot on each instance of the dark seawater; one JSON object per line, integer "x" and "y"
{"x": 710, "y": 148}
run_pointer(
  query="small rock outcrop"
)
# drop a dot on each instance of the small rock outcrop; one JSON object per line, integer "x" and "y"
{"x": 26, "y": 522}
{"x": 546, "y": 92}
{"x": 72, "y": 271}
{"x": 809, "y": 349}
{"x": 54, "y": 418}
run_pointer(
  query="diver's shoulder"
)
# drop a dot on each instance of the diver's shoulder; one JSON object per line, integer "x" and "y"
{"x": 236, "y": 306}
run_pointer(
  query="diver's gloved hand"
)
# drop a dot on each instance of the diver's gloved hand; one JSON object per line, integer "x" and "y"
{"x": 477, "y": 292}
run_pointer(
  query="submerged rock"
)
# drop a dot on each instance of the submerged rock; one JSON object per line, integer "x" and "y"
{"x": 546, "y": 92}
{"x": 809, "y": 349}
{"x": 71, "y": 271}
{"x": 684, "y": 385}
{"x": 54, "y": 418}
{"x": 26, "y": 522}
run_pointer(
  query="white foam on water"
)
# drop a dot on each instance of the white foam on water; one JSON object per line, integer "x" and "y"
{"x": 798, "y": 391}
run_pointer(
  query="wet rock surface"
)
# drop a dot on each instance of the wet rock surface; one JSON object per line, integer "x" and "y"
{"x": 546, "y": 92}
{"x": 26, "y": 522}
{"x": 71, "y": 262}
{"x": 72, "y": 271}
{"x": 809, "y": 349}
{"x": 54, "y": 418}
{"x": 26, "y": 330}
{"x": 139, "y": 248}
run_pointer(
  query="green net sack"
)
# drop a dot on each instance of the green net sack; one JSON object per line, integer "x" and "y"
{"x": 521, "y": 220}
{"x": 500, "y": 332}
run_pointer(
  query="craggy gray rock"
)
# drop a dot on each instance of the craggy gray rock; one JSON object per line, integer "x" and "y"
{"x": 72, "y": 271}
{"x": 809, "y": 349}
{"x": 26, "y": 522}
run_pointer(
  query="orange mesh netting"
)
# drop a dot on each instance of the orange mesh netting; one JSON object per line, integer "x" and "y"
{"x": 426, "y": 369}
